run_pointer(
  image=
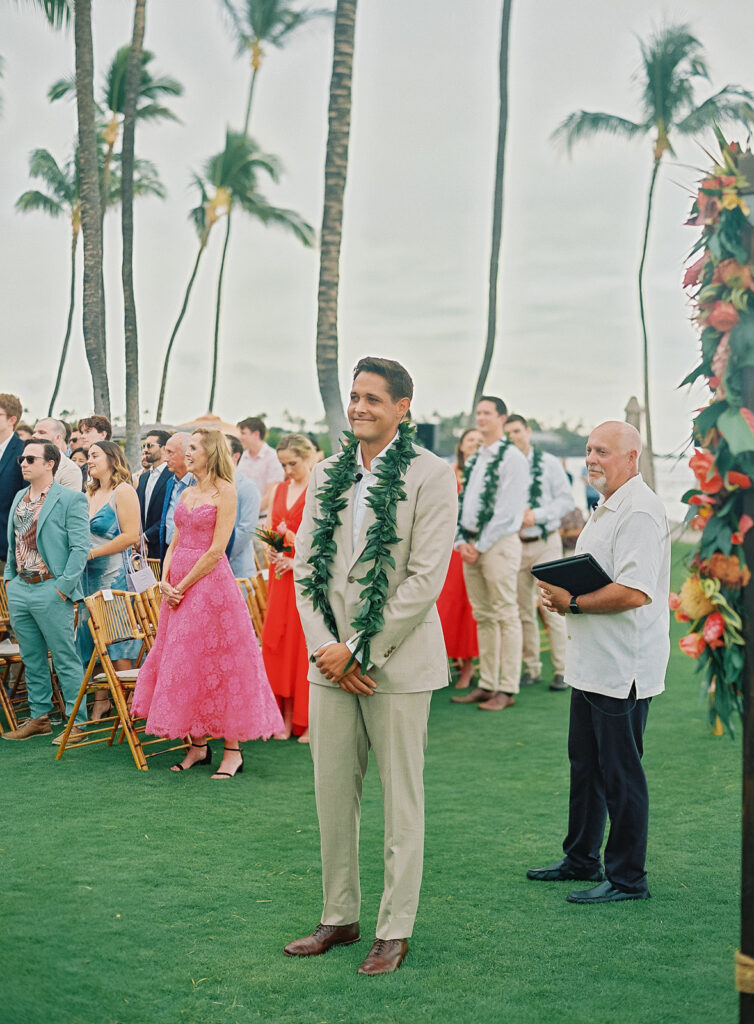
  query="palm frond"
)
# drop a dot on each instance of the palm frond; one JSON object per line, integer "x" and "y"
{"x": 198, "y": 216}
{"x": 35, "y": 201}
{"x": 61, "y": 181}
{"x": 57, "y": 12}
{"x": 162, "y": 86}
{"x": 156, "y": 112}
{"x": 732, "y": 104}
{"x": 64, "y": 87}
{"x": 236, "y": 167}
{"x": 258, "y": 207}
{"x": 672, "y": 61}
{"x": 583, "y": 124}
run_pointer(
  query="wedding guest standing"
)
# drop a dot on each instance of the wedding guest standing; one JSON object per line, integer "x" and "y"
{"x": 151, "y": 487}
{"x": 47, "y": 547}
{"x": 550, "y": 500}
{"x": 456, "y": 616}
{"x": 258, "y": 462}
{"x": 283, "y": 642}
{"x": 248, "y": 500}
{"x": 11, "y": 477}
{"x": 204, "y": 675}
{"x": 113, "y": 528}
{"x": 616, "y": 655}
{"x": 492, "y": 508}
{"x": 68, "y": 474}
{"x": 376, "y": 656}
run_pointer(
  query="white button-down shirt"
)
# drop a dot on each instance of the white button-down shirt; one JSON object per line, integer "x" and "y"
{"x": 154, "y": 474}
{"x": 510, "y": 502}
{"x": 556, "y": 499}
{"x": 368, "y": 478}
{"x": 628, "y": 535}
{"x": 263, "y": 468}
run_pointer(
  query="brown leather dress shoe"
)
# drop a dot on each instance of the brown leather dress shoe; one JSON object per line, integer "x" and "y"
{"x": 498, "y": 702}
{"x": 31, "y": 727}
{"x": 476, "y": 695}
{"x": 324, "y": 937}
{"x": 385, "y": 956}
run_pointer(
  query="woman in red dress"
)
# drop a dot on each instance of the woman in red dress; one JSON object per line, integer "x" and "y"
{"x": 283, "y": 644}
{"x": 458, "y": 624}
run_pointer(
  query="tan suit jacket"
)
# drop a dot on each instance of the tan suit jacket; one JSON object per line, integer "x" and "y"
{"x": 408, "y": 654}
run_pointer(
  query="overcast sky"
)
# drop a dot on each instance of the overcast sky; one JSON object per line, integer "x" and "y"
{"x": 417, "y": 218}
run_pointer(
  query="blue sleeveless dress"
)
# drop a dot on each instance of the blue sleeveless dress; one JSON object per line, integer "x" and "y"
{"x": 103, "y": 573}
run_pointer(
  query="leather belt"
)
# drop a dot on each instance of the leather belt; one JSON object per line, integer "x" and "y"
{"x": 530, "y": 540}
{"x": 39, "y": 577}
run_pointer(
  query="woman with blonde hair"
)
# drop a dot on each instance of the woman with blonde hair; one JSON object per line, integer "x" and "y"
{"x": 114, "y": 524}
{"x": 283, "y": 643}
{"x": 204, "y": 675}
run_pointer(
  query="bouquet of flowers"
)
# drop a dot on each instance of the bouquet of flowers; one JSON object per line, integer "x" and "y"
{"x": 281, "y": 540}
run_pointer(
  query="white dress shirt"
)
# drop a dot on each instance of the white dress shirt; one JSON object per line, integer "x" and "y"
{"x": 263, "y": 468}
{"x": 178, "y": 488}
{"x": 367, "y": 480}
{"x": 154, "y": 474}
{"x": 511, "y": 499}
{"x": 556, "y": 499}
{"x": 628, "y": 535}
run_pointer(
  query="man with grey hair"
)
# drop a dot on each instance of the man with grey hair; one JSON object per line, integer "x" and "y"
{"x": 68, "y": 473}
{"x": 616, "y": 655}
{"x": 180, "y": 478}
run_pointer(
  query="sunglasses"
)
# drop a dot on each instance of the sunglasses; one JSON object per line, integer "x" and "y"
{"x": 144, "y": 447}
{"x": 29, "y": 459}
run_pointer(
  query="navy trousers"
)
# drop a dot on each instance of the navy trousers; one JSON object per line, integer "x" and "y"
{"x": 605, "y": 746}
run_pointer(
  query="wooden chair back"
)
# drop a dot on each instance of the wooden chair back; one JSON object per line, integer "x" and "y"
{"x": 259, "y": 582}
{"x": 156, "y": 566}
{"x": 247, "y": 592}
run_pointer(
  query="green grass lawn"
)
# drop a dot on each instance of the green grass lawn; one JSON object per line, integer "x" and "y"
{"x": 152, "y": 897}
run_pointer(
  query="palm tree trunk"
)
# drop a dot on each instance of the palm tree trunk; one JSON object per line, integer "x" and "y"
{"x": 91, "y": 214}
{"x": 648, "y": 463}
{"x": 336, "y": 168}
{"x": 179, "y": 321}
{"x": 216, "y": 346}
{"x": 497, "y": 206}
{"x": 247, "y": 118}
{"x": 71, "y": 304}
{"x": 131, "y": 91}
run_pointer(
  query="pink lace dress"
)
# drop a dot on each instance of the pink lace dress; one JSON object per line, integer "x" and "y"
{"x": 205, "y": 674}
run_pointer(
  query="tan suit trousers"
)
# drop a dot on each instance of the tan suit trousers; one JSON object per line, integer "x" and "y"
{"x": 343, "y": 727}
{"x": 492, "y": 584}
{"x": 555, "y": 625}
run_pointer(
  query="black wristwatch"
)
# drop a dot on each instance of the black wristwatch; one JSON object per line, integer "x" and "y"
{"x": 574, "y": 607}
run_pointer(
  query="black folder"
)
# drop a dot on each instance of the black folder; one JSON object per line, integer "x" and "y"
{"x": 579, "y": 574}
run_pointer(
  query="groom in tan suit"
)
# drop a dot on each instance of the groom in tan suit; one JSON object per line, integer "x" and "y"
{"x": 383, "y": 704}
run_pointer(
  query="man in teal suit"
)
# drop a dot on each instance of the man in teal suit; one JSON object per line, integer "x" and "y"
{"x": 48, "y": 546}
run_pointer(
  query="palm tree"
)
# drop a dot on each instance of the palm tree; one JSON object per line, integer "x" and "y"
{"x": 673, "y": 62}
{"x": 497, "y": 204}
{"x": 150, "y": 91}
{"x": 336, "y": 168}
{"x": 134, "y": 79}
{"x": 61, "y": 198}
{"x": 230, "y": 178}
{"x": 259, "y": 23}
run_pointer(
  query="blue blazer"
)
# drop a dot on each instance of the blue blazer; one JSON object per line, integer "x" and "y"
{"x": 152, "y": 521}
{"x": 165, "y": 505}
{"x": 62, "y": 538}
{"x": 11, "y": 482}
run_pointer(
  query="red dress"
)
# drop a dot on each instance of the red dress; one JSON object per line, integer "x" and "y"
{"x": 283, "y": 644}
{"x": 458, "y": 625}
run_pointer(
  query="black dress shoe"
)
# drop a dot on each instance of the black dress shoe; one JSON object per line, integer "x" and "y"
{"x": 605, "y": 892}
{"x": 563, "y": 872}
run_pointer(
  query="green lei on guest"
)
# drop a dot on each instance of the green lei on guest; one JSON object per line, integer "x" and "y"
{"x": 489, "y": 490}
{"x": 535, "y": 489}
{"x": 382, "y": 498}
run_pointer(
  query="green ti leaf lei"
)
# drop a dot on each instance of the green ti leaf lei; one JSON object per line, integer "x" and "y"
{"x": 382, "y": 498}
{"x": 535, "y": 488}
{"x": 489, "y": 490}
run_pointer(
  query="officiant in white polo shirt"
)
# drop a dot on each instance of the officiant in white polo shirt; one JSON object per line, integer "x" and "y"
{"x": 616, "y": 656}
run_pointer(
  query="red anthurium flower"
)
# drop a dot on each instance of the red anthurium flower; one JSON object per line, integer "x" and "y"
{"x": 745, "y": 523}
{"x": 736, "y": 479}
{"x": 723, "y": 316}
{"x": 703, "y": 467}
{"x": 694, "y": 272}
{"x": 693, "y": 644}
{"x": 702, "y": 499}
{"x": 714, "y": 628}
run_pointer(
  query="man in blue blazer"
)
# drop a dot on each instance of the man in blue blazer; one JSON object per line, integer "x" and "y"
{"x": 48, "y": 547}
{"x": 11, "y": 480}
{"x": 151, "y": 488}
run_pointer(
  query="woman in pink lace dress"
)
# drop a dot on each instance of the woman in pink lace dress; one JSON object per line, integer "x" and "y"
{"x": 204, "y": 675}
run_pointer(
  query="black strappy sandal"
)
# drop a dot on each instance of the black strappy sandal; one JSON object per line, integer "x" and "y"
{"x": 231, "y": 775}
{"x": 207, "y": 759}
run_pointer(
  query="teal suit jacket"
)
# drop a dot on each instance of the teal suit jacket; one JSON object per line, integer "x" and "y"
{"x": 62, "y": 538}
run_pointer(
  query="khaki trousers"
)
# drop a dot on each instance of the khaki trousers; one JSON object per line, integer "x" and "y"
{"x": 491, "y": 583}
{"x": 342, "y": 728}
{"x": 555, "y": 625}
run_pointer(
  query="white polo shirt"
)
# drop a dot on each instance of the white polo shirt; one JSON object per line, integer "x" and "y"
{"x": 628, "y": 535}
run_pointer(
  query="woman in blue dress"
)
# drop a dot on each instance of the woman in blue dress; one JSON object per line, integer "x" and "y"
{"x": 114, "y": 524}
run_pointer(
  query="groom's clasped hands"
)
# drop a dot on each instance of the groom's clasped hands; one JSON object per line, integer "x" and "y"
{"x": 332, "y": 660}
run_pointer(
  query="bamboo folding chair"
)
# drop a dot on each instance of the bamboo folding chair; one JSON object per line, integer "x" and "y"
{"x": 156, "y": 566}
{"x": 259, "y": 582}
{"x": 147, "y": 608}
{"x": 261, "y": 557}
{"x": 249, "y": 596}
{"x": 111, "y": 621}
